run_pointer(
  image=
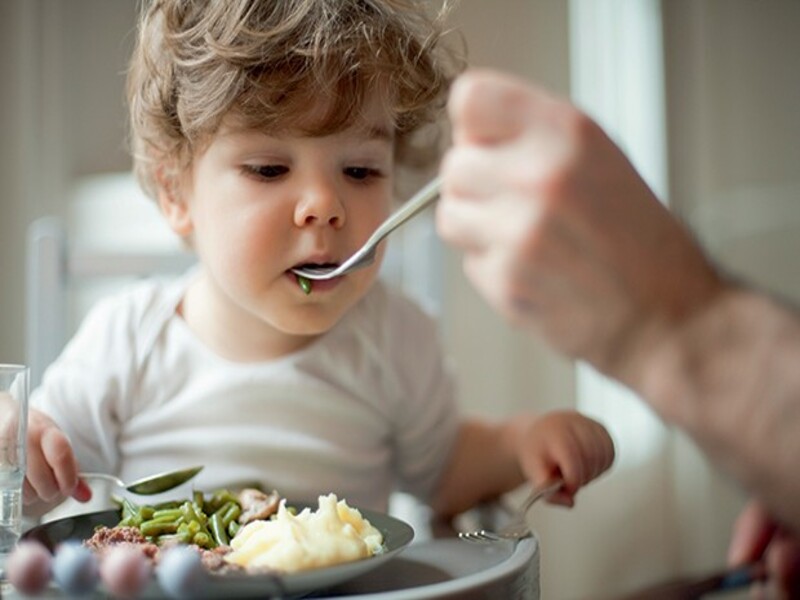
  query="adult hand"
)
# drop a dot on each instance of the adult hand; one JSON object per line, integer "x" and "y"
{"x": 757, "y": 536}
{"x": 559, "y": 232}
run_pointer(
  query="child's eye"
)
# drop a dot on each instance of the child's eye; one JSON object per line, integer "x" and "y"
{"x": 266, "y": 171}
{"x": 361, "y": 173}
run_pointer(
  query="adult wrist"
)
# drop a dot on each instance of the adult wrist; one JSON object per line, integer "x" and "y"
{"x": 729, "y": 377}
{"x": 682, "y": 372}
{"x": 710, "y": 373}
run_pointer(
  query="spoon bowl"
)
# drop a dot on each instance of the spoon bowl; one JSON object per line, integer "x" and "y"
{"x": 152, "y": 484}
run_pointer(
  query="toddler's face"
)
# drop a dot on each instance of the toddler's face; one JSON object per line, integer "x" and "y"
{"x": 261, "y": 204}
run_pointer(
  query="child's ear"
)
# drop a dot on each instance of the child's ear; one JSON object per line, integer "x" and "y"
{"x": 173, "y": 203}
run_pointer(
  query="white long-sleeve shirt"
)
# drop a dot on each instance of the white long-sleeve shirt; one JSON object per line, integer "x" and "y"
{"x": 366, "y": 409}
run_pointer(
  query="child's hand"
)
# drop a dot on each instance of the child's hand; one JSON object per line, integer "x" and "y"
{"x": 568, "y": 445}
{"x": 52, "y": 473}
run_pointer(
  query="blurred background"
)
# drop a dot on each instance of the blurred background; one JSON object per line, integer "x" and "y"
{"x": 703, "y": 95}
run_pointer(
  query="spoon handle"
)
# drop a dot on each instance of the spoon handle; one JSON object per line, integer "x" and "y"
{"x": 417, "y": 203}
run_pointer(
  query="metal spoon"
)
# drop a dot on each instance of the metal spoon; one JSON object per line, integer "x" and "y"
{"x": 153, "y": 484}
{"x": 365, "y": 255}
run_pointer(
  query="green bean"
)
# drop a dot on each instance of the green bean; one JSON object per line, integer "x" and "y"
{"x": 206, "y": 522}
{"x": 191, "y": 527}
{"x": 180, "y": 537}
{"x": 305, "y": 284}
{"x": 170, "y": 513}
{"x": 126, "y": 522}
{"x": 231, "y": 514}
{"x": 132, "y": 519}
{"x": 233, "y": 528}
{"x": 221, "y": 510}
{"x": 190, "y": 514}
{"x": 203, "y": 539}
{"x": 228, "y": 512}
{"x": 218, "y": 498}
{"x": 166, "y": 519}
{"x": 156, "y": 528}
{"x": 218, "y": 530}
{"x": 201, "y": 515}
{"x": 128, "y": 508}
{"x": 196, "y": 522}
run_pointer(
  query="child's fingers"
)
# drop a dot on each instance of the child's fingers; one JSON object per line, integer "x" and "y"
{"x": 58, "y": 455}
{"x": 29, "y": 495}
{"x": 603, "y": 452}
{"x": 569, "y": 456}
{"x": 40, "y": 477}
{"x": 52, "y": 471}
{"x": 562, "y": 498}
{"x": 82, "y": 493}
{"x": 583, "y": 455}
{"x": 594, "y": 450}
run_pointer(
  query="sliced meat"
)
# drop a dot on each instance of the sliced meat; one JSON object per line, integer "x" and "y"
{"x": 257, "y": 505}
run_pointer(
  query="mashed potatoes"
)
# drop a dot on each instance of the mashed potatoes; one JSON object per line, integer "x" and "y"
{"x": 333, "y": 534}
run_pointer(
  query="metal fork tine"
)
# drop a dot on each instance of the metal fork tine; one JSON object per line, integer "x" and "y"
{"x": 480, "y": 536}
{"x": 489, "y": 537}
{"x": 518, "y": 527}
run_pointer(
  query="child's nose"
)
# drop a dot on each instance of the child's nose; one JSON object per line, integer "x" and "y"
{"x": 320, "y": 205}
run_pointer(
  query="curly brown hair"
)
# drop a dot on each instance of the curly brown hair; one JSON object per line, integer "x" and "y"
{"x": 195, "y": 61}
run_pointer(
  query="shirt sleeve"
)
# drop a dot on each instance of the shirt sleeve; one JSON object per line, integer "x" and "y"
{"x": 426, "y": 414}
{"x": 84, "y": 390}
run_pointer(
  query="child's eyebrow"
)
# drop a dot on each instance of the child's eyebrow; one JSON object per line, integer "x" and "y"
{"x": 378, "y": 132}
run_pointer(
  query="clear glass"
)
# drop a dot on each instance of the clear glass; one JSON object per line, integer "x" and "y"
{"x": 14, "y": 384}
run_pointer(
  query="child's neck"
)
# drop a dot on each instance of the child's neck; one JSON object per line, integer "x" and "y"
{"x": 234, "y": 335}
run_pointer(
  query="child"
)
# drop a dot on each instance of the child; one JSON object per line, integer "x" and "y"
{"x": 269, "y": 133}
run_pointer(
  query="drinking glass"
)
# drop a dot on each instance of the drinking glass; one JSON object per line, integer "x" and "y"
{"x": 14, "y": 383}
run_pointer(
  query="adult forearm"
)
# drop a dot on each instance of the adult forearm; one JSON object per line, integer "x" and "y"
{"x": 730, "y": 377}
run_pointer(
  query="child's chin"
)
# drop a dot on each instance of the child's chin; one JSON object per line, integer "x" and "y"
{"x": 310, "y": 327}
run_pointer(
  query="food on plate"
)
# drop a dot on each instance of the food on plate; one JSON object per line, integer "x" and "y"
{"x": 335, "y": 533}
{"x": 206, "y": 522}
{"x": 257, "y": 505}
{"x": 185, "y": 542}
{"x": 250, "y": 531}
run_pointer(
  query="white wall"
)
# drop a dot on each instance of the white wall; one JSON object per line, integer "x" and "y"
{"x": 62, "y": 114}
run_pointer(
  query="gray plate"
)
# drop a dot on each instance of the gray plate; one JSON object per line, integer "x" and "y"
{"x": 396, "y": 536}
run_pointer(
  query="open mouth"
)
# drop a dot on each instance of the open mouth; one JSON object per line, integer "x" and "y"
{"x": 317, "y": 266}
{"x": 305, "y": 283}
